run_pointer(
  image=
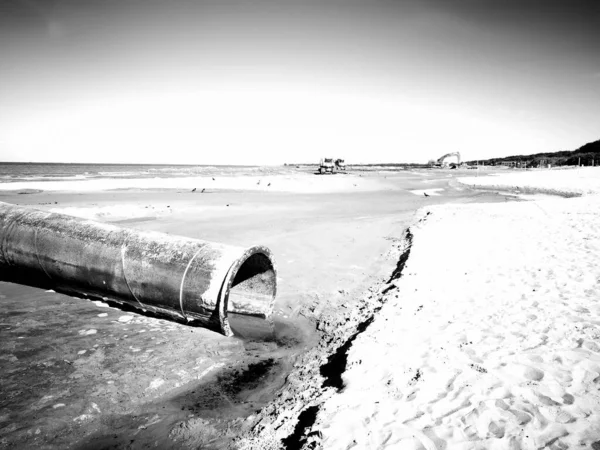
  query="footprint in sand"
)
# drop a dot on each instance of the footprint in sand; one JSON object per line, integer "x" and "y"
{"x": 521, "y": 417}
{"x": 568, "y": 399}
{"x": 591, "y": 346}
{"x": 533, "y": 374}
{"x": 496, "y": 429}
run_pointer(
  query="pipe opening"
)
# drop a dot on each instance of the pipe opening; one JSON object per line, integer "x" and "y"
{"x": 253, "y": 287}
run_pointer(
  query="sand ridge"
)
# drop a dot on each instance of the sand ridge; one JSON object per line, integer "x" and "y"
{"x": 492, "y": 341}
{"x": 488, "y": 345}
{"x": 488, "y": 340}
{"x": 295, "y": 226}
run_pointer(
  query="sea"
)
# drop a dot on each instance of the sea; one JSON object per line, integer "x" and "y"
{"x": 39, "y": 172}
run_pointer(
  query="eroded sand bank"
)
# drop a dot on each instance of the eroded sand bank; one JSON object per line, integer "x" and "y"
{"x": 76, "y": 373}
{"x": 489, "y": 339}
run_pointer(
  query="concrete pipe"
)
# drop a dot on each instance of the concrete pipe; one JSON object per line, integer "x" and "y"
{"x": 185, "y": 278}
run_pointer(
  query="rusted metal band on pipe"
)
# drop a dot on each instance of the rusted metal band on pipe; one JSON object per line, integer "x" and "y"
{"x": 182, "y": 277}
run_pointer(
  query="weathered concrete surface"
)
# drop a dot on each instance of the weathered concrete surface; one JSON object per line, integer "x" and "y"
{"x": 186, "y": 278}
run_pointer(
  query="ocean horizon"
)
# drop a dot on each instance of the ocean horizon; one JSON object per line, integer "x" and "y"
{"x": 11, "y": 172}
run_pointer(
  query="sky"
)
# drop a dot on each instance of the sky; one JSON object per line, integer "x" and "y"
{"x": 285, "y": 81}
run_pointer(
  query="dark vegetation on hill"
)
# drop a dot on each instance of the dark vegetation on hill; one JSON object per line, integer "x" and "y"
{"x": 586, "y": 155}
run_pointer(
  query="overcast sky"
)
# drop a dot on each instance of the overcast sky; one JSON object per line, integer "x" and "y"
{"x": 268, "y": 82}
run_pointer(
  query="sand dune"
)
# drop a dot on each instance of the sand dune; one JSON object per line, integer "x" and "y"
{"x": 491, "y": 340}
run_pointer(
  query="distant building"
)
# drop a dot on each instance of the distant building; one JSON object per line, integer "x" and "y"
{"x": 514, "y": 164}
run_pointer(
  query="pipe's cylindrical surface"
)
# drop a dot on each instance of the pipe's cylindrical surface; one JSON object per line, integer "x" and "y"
{"x": 182, "y": 277}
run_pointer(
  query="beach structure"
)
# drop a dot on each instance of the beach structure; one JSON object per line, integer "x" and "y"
{"x": 188, "y": 279}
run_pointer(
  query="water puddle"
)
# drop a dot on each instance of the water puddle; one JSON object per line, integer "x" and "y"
{"x": 210, "y": 413}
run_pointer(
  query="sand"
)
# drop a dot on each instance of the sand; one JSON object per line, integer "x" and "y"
{"x": 476, "y": 328}
{"x": 489, "y": 340}
{"x": 288, "y": 182}
{"x": 492, "y": 342}
{"x": 80, "y": 373}
{"x": 569, "y": 181}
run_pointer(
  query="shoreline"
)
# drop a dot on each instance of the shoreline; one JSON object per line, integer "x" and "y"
{"x": 404, "y": 383}
{"x": 123, "y": 368}
{"x": 298, "y": 183}
{"x": 338, "y": 273}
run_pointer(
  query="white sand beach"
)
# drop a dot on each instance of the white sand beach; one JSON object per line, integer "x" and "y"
{"x": 491, "y": 340}
{"x": 563, "y": 181}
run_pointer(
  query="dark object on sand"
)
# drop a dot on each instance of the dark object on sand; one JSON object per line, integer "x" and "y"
{"x": 326, "y": 165}
{"x": 425, "y": 194}
{"x": 340, "y": 165}
{"x": 181, "y": 277}
{"x": 194, "y": 190}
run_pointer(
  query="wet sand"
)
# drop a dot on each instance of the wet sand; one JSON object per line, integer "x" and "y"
{"x": 485, "y": 336}
{"x": 79, "y": 374}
